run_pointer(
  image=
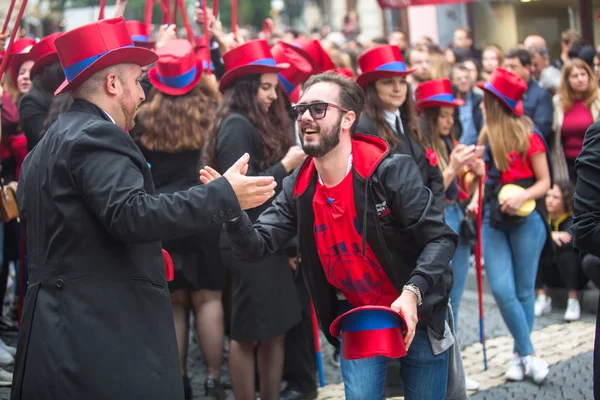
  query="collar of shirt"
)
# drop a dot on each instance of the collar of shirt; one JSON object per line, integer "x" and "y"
{"x": 390, "y": 118}
{"x": 108, "y": 115}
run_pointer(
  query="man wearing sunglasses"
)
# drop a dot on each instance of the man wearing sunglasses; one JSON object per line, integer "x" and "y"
{"x": 369, "y": 235}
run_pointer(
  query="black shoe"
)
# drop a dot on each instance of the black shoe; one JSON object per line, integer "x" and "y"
{"x": 292, "y": 394}
{"x": 187, "y": 388}
{"x": 227, "y": 384}
{"x": 213, "y": 389}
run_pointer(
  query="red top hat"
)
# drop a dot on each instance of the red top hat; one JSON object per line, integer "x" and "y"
{"x": 44, "y": 53}
{"x": 90, "y": 48}
{"x": 506, "y": 87}
{"x": 177, "y": 70}
{"x": 370, "y": 331}
{"x": 251, "y": 58}
{"x": 20, "y": 52}
{"x": 139, "y": 34}
{"x": 436, "y": 93}
{"x": 381, "y": 62}
{"x": 313, "y": 50}
{"x": 299, "y": 71}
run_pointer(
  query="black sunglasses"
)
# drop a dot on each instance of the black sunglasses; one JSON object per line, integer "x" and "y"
{"x": 317, "y": 110}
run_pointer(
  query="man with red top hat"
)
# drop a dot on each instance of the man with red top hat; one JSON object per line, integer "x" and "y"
{"x": 97, "y": 320}
{"x": 369, "y": 236}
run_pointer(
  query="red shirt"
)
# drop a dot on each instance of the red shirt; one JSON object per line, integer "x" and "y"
{"x": 574, "y": 126}
{"x": 360, "y": 278}
{"x": 519, "y": 167}
{"x": 14, "y": 146}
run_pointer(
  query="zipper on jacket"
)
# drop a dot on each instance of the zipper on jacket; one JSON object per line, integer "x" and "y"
{"x": 364, "y": 227}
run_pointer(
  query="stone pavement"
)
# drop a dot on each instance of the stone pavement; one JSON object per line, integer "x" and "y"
{"x": 567, "y": 347}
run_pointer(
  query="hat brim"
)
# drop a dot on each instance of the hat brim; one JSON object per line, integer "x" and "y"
{"x": 517, "y": 110}
{"x": 125, "y": 55}
{"x": 437, "y": 103}
{"x": 365, "y": 79}
{"x": 336, "y": 326}
{"x": 171, "y": 91}
{"x": 15, "y": 63}
{"x": 303, "y": 53}
{"x": 234, "y": 74}
{"x": 42, "y": 62}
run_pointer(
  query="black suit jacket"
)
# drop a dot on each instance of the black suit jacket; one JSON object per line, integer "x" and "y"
{"x": 97, "y": 320}
{"x": 33, "y": 110}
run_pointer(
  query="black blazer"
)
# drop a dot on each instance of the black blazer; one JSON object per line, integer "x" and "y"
{"x": 33, "y": 110}
{"x": 98, "y": 305}
{"x": 432, "y": 177}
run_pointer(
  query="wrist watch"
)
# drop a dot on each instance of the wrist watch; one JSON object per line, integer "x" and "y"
{"x": 411, "y": 287}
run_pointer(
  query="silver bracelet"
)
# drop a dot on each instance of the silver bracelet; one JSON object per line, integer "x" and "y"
{"x": 411, "y": 287}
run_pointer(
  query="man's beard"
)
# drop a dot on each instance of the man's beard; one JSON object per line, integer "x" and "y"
{"x": 329, "y": 139}
{"x": 125, "y": 109}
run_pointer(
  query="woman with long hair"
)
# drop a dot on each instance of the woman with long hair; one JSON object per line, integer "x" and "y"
{"x": 576, "y": 107}
{"x": 491, "y": 58}
{"x": 389, "y": 113}
{"x": 46, "y": 76}
{"x": 459, "y": 165}
{"x": 265, "y": 303}
{"x": 173, "y": 125}
{"x": 561, "y": 266}
{"x": 514, "y": 232}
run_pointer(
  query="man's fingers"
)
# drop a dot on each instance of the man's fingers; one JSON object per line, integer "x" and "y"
{"x": 244, "y": 170}
{"x": 240, "y": 163}
{"x": 259, "y": 180}
{"x": 212, "y": 172}
{"x": 410, "y": 335}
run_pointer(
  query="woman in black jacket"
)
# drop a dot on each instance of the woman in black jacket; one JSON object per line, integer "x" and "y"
{"x": 172, "y": 126}
{"x": 265, "y": 304}
{"x": 389, "y": 113}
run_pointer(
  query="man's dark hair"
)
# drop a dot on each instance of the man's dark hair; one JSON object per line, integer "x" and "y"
{"x": 351, "y": 98}
{"x": 523, "y": 55}
{"x": 380, "y": 40}
{"x": 458, "y": 66}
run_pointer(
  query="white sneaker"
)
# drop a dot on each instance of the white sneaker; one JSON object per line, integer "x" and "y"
{"x": 471, "y": 384}
{"x": 573, "y": 311}
{"x": 543, "y": 305}
{"x": 5, "y": 358}
{"x": 536, "y": 368}
{"x": 11, "y": 350}
{"x": 5, "y": 378}
{"x": 516, "y": 371}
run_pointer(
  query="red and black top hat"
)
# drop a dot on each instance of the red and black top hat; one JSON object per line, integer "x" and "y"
{"x": 313, "y": 50}
{"x": 44, "y": 53}
{"x": 20, "y": 52}
{"x": 251, "y": 58}
{"x": 139, "y": 34}
{"x": 381, "y": 62}
{"x": 299, "y": 71}
{"x": 177, "y": 70}
{"x": 506, "y": 87}
{"x": 436, "y": 93}
{"x": 90, "y": 48}
{"x": 370, "y": 331}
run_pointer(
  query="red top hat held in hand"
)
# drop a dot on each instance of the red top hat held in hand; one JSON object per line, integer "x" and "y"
{"x": 299, "y": 71}
{"x": 90, "y": 48}
{"x": 506, "y": 87}
{"x": 139, "y": 34}
{"x": 20, "y": 52}
{"x": 381, "y": 62}
{"x": 436, "y": 93}
{"x": 177, "y": 70}
{"x": 370, "y": 331}
{"x": 313, "y": 50}
{"x": 251, "y": 58}
{"x": 44, "y": 53}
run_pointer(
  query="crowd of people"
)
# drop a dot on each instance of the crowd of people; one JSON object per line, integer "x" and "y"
{"x": 333, "y": 173}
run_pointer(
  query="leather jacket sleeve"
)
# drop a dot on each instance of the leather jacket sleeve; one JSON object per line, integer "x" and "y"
{"x": 586, "y": 208}
{"x": 413, "y": 208}
{"x": 275, "y": 227}
{"x": 111, "y": 176}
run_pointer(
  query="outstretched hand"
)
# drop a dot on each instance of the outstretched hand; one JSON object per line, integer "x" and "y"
{"x": 251, "y": 191}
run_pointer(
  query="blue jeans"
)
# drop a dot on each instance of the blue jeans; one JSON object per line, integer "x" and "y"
{"x": 511, "y": 261}
{"x": 460, "y": 260}
{"x": 424, "y": 374}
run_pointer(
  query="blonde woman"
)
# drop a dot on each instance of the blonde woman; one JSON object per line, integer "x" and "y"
{"x": 576, "y": 107}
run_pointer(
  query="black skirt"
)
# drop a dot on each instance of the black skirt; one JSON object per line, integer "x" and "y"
{"x": 199, "y": 270}
{"x": 264, "y": 299}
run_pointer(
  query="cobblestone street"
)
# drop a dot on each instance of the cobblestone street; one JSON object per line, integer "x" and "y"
{"x": 566, "y": 347}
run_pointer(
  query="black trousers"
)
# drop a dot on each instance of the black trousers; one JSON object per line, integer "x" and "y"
{"x": 564, "y": 272}
{"x": 300, "y": 365}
